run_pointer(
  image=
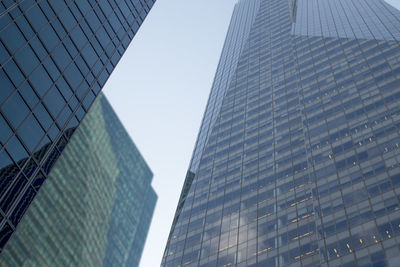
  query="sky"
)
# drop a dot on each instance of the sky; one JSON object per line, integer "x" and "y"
{"x": 159, "y": 90}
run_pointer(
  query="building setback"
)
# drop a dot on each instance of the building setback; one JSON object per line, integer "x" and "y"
{"x": 55, "y": 57}
{"x": 97, "y": 203}
{"x": 297, "y": 158}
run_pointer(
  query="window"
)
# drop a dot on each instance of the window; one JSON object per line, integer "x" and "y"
{"x": 12, "y": 37}
{"x": 51, "y": 68}
{"x": 67, "y": 19}
{"x": 26, "y": 59}
{"x": 78, "y": 37}
{"x": 4, "y": 160}
{"x": 5, "y": 131}
{"x": 49, "y": 37}
{"x": 43, "y": 116}
{"x": 15, "y": 110}
{"x": 89, "y": 55}
{"x": 41, "y": 81}
{"x": 31, "y": 132}
{"x": 6, "y": 87}
{"x": 3, "y": 54}
{"x": 54, "y": 101}
{"x": 16, "y": 150}
{"x": 73, "y": 76}
{"x": 28, "y": 94}
{"x": 38, "y": 48}
{"x": 36, "y": 17}
{"x": 26, "y": 29}
{"x": 14, "y": 73}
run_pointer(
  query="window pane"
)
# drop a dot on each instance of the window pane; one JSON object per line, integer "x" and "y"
{"x": 14, "y": 73}
{"x": 16, "y": 150}
{"x": 4, "y": 160}
{"x": 31, "y": 132}
{"x": 6, "y": 86}
{"x": 54, "y": 101}
{"x": 43, "y": 115}
{"x": 5, "y": 132}
{"x": 41, "y": 81}
{"x": 28, "y": 94}
{"x": 12, "y": 37}
{"x": 3, "y": 54}
{"x": 27, "y": 59}
{"x": 15, "y": 110}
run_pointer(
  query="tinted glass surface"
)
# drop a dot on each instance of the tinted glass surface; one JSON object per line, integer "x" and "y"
{"x": 55, "y": 57}
{"x": 301, "y": 165}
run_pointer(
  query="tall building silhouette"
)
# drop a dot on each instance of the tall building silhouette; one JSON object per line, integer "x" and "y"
{"x": 55, "y": 57}
{"x": 96, "y": 205}
{"x": 297, "y": 158}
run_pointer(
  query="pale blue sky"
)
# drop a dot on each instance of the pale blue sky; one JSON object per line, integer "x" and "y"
{"x": 159, "y": 90}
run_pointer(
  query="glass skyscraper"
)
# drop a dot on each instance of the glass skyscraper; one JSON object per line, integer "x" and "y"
{"x": 297, "y": 162}
{"x": 55, "y": 57}
{"x": 96, "y": 205}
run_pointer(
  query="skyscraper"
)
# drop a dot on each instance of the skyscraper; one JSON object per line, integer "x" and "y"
{"x": 97, "y": 203}
{"x": 55, "y": 57}
{"x": 297, "y": 158}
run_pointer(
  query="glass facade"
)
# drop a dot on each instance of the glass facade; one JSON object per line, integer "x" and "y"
{"x": 97, "y": 203}
{"x": 301, "y": 166}
{"x": 55, "y": 57}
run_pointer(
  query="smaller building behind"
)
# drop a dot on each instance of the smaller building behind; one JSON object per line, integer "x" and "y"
{"x": 96, "y": 206}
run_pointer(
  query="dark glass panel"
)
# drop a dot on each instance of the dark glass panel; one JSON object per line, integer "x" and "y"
{"x": 51, "y": 68}
{"x": 31, "y": 132}
{"x": 54, "y": 101}
{"x": 36, "y": 17}
{"x": 5, "y": 132}
{"x": 49, "y": 38}
{"x": 73, "y": 76}
{"x": 67, "y": 19}
{"x": 38, "y": 48}
{"x": 12, "y": 37}
{"x": 16, "y": 150}
{"x": 26, "y": 59}
{"x": 4, "y": 161}
{"x": 28, "y": 94}
{"x": 38, "y": 181}
{"x": 30, "y": 168}
{"x": 6, "y": 86}
{"x": 3, "y": 54}
{"x": 41, "y": 81}
{"x": 61, "y": 57}
{"x": 15, "y": 110}
{"x": 44, "y": 117}
{"x": 14, "y": 73}
{"x": 26, "y": 29}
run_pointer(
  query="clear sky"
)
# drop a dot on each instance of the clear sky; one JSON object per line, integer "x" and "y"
{"x": 159, "y": 90}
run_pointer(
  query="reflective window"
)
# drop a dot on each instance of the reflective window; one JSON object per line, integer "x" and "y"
{"x": 30, "y": 132}
{"x": 15, "y": 110}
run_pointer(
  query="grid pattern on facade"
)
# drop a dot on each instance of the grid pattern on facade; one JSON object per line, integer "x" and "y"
{"x": 362, "y": 19}
{"x": 94, "y": 209}
{"x": 55, "y": 56}
{"x": 242, "y": 19}
{"x": 301, "y": 166}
